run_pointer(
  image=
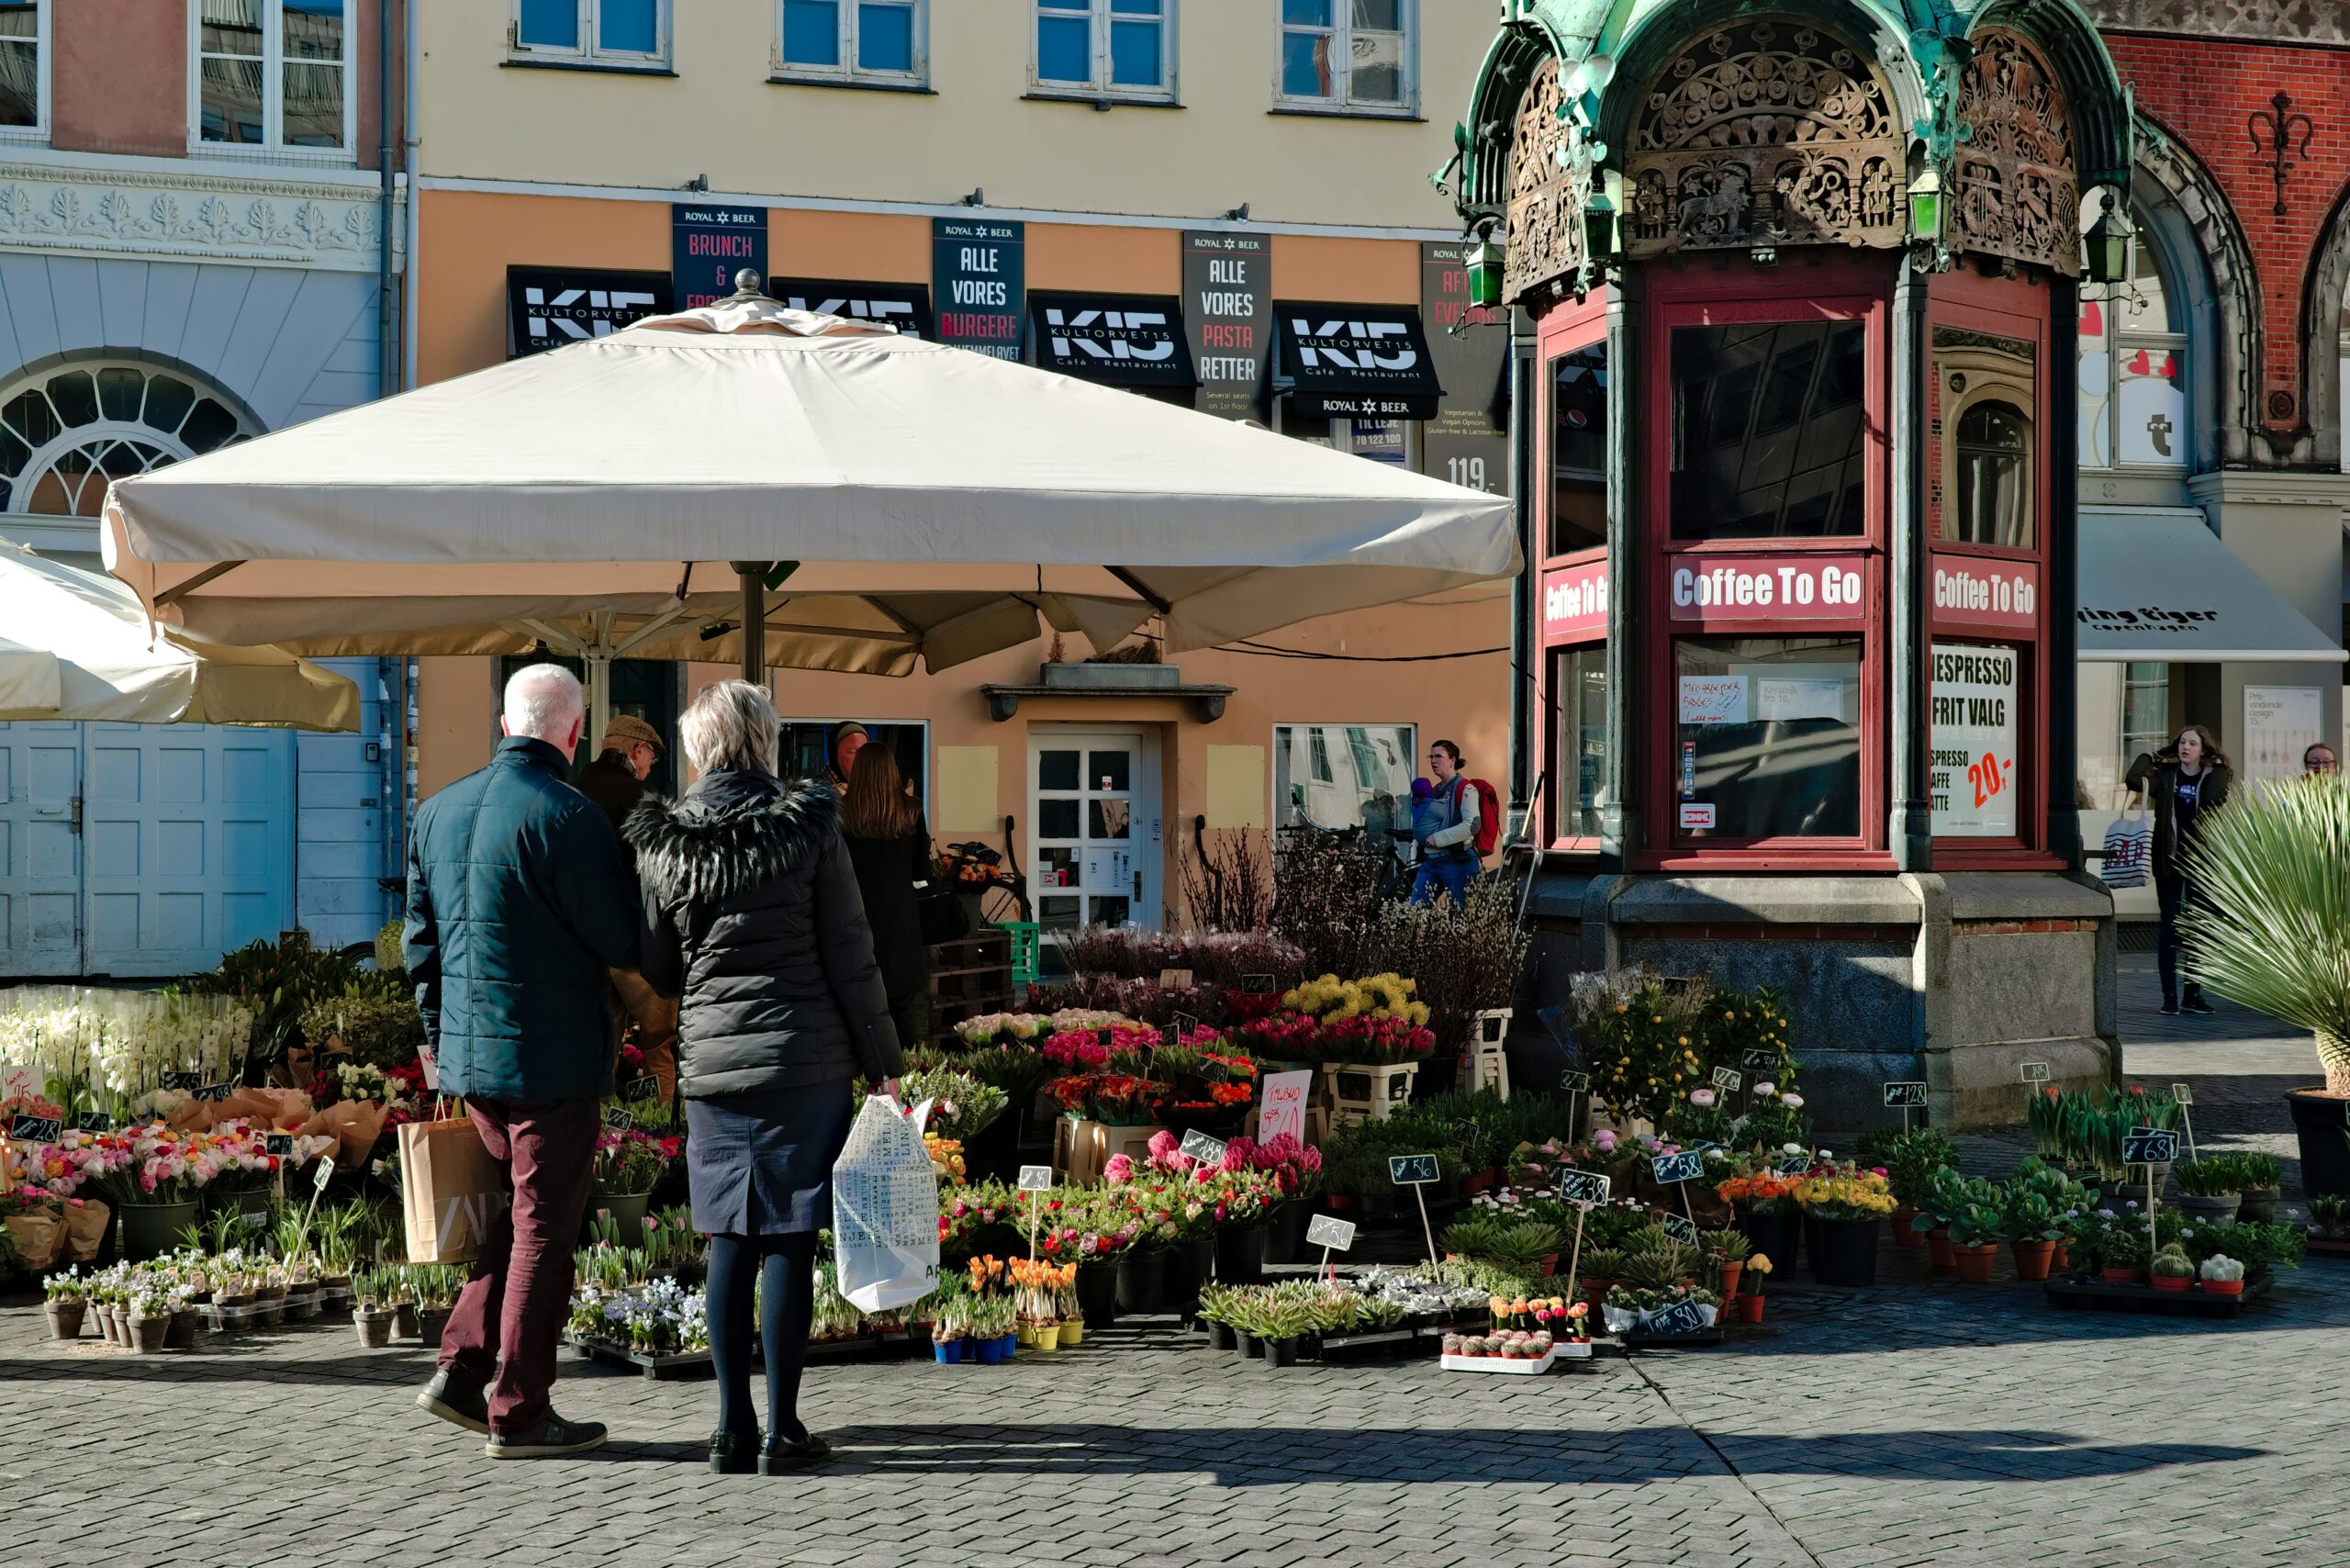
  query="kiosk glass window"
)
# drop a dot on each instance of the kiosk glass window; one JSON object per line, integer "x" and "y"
{"x": 1983, "y": 489}
{"x": 1769, "y": 430}
{"x": 1579, "y": 450}
{"x": 1580, "y": 782}
{"x": 1766, "y": 738}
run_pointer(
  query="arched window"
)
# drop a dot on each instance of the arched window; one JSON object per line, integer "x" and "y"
{"x": 2133, "y": 371}
{"x": 1995, "y": 476}
{"x": 67, "y": 432}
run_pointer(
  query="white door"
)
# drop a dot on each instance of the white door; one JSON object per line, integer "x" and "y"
{"x": 40, "y": 848}
{"x": 1094, "y": 839}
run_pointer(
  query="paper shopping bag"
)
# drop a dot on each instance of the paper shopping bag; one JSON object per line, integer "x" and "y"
{"x": 885, "y": 1209}
{"x": 451, "y": 1190}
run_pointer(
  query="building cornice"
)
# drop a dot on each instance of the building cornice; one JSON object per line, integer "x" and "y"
{"x": 2290, "y": 487}
{"x": 269, "y": 215}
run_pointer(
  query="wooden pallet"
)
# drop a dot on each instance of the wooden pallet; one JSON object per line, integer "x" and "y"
{"x": 661, "y": 1369}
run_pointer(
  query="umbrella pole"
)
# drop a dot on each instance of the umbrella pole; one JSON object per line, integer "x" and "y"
{"x": 597, "y": 662}
{"x": 753, "y": 575}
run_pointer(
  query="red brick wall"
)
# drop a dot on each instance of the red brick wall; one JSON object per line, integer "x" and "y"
{"x": 2204, "y": 90}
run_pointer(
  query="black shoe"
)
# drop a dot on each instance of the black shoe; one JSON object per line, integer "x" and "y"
{"x": 2195, "y": 1003}
{"x": 549, "y": 1439}
{"x": 780, "y": 1455}
{"x": 459, "y": 1403}
{"x": 2168, "y": 1010}
{"x": 733, "y": 1453}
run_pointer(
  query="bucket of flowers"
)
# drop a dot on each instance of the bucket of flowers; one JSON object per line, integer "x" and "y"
{"x": 993, "y": 1316}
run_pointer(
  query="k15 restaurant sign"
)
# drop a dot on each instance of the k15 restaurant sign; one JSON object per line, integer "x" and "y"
{"x": 905, "y": 305}
{"x": 1468, "y": 442}
{"x": 1356, "y": 361}
{"x": 708, "y": 243}
{"x": 1228, "y": 310}
{"x": 549, "y": 306}
{"x": 979, "y": 268}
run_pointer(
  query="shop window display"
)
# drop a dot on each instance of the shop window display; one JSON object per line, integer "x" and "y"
{"x": 1767, "y": 737}
{"x": 1579, "y": 450}
{"x": 1580, "y": 781}
{"x": 1768, "y": 428}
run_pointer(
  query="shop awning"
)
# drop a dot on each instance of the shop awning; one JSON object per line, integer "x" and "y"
{"x": 1355, "y": 361}
{"x": 1118, "y": 339}
{"x": 905, "y": 305}
{"x": 2157, "y": 584}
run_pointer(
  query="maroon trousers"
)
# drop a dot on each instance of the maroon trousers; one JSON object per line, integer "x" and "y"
{"x": 508, "y": 1320}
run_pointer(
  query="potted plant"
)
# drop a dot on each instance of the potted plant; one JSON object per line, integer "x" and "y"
{"x": 1763, "y": 1204}
{"x": 1975, "y": 1231}
{"x": 2221, "y": 1276}
{"x": 371, "y": 1314}
{"x": 2210, "y": 1188}
{"x": 150, "y": 1317}
{"x": 1072, "y": 1315}
{"x": 2330, "y": 1216}
{"x": 1911, "y": 1158}
{"x": 1216, "y": 1302}
{"x": 2259, "y": 1174}
{"x": 1843, "y": 1207}
{"x": 2034, "y": 1229}
{"x": 2270, "y": 928}
{"x": 434, "y": 1287}
{"x": 66, "y": 1300}
{"x": 1282, "y": 1320}
{"x": 2172, "y": 1269}
{"x": 1601, "y": 1266}
{"x": 2121, "y": 1253}
{"x": 1728, "y": 1249}
{"x": 1945, "y": 1195}
{"x": 1749, "y": 1298}
{"x": 627, "y": 1167}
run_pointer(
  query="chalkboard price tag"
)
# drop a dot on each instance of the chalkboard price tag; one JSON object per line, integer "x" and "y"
{"x": 1328, "y": 1231}
{"x": 1185, "y": 1024}
{"x": 33, "y": 1129}
{"x": 1581, "y": 1186}
{"x": 1174, "y": 979}
{"x": 322, "y": 1172}
{"x": 1681, "y": 1228}
{"x": 1706, "y": 1146}
{"x": 2182, "y": 1092}
{"x": 1574, "y": 1083}
{"x": 93, "y": 1122}
{"x": 1214, "y": 1072}
{"x": 2146, "y": 1145}
{"x": 1035, "y": 1178}
{"x": 1207, "y": 1150}
{"x": 216, "y": 1092}
{"x": 1106, "y": 1037}
{"x": 1795, "y": 1165}
{"x": 1411, "y": 1170}
{"x": 617, "y": 1120}
{"x": 1680, "y": 1317}
{"x": 277, "y": 1146}
{"x": 1906, "y": 1094}
{"x": 637, "y": 1088}
{"x": 1669, "y": 1169}
{"x": 1727, "y": 1079}
{"x": 1758, "y": 1061}
{"x": 187, "y": 1082}
{"x": 2035, "y": 1073}
{"x": 1259, "y": 984}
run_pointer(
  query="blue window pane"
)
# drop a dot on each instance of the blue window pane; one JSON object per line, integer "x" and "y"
{"x": 885, "y": 37}
{"x": 630, "y": 26}
{"x": 1306, "y": 13}
{"x": 1134, "y": 54}
{"x": 1306, "y": 65}
{"x": 1064, "y": 50}
{"x": 812, "y": 32}
{"x": 551, "y": 24}
{"x": 1136, "y": 7}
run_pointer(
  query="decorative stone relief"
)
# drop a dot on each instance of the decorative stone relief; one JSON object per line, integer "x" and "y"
{"x": 2278, "y": 21}
{"x": 288, "y": 222}
{"x": 1764, "y": 133}
{"x": 1546, "y": 195}
{"x": 2016, "y": 192}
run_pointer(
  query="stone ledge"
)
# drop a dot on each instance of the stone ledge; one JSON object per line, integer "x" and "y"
{"x": 1765, "y": 901}
{"x": 2024, "y": 896}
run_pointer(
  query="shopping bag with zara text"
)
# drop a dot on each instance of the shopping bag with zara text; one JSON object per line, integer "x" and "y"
{"x": 885, "y": 1208}
{"x": 451, "y": 1191}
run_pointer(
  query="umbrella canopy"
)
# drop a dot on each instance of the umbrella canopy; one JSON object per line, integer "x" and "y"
{"x": 895, "y": 500}
{"x": 78, "y": 646}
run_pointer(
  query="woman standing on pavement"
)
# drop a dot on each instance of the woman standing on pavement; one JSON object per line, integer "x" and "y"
{"x": 2183, "y": 784}
{"x": 752, "y": 915}
{"x": 890, "y": 846}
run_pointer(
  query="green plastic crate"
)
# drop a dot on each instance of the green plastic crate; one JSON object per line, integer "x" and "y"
{"x": 1023, "y": 950}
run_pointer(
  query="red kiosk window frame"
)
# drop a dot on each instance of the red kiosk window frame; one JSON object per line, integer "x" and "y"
{"x": 1568, "y": 328}
{"x": 2015, "y": 308}
{"x": 1831, "y": 290}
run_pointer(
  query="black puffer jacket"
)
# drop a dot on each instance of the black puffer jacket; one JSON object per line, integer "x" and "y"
{"x": 752, "y": 917}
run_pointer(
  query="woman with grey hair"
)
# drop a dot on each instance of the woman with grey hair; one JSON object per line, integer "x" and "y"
{"x": 752, "y": 918}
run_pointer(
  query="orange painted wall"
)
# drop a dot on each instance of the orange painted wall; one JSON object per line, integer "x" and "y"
{"x": 470, "y": 238}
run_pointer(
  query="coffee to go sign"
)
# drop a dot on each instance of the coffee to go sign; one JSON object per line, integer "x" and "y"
{"x": 1971, "y": 590}
{"x": 1818, "y": 588}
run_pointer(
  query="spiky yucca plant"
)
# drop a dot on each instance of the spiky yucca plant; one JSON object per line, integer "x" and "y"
{"x": 2270, "y": 927}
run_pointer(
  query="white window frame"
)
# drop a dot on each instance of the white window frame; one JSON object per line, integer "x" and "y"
{"x": 44, "y": 46}
{"x": 2121, "y": 341}
{"x": 589, "y": 52}
{"x": 272, "y": 147}
{"x": 1098, "y": 18}
{"x": 848, "y": 70}
{"x": 1341, "y": 31}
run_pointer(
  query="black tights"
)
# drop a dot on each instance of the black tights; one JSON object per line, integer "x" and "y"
{"x": 783, "y": 1268}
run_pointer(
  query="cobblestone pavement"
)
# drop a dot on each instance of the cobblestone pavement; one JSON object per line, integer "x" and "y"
{"x": 1916, "y": 1422}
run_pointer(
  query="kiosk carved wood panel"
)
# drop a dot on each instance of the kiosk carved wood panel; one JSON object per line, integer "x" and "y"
{"x": 2017, "y": 195}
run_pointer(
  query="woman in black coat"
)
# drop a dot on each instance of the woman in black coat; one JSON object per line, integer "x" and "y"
{"x": 751, "y": 916}
{"x": 2184, "y": 785}
{"x": 891, "y": 849}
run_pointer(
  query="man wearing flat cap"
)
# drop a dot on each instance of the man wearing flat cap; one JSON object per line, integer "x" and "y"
{"x": 624, "y": 760}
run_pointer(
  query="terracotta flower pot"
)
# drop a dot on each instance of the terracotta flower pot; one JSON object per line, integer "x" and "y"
{"x": 1731, "y": 1269}
{"x": 2063, "y": 1257}
{"x": 181, "y": 1333}
{"x": 1549, "y": 1265}
{"x": 65, "y": 1318}
{"x": 2173, "y": 1282}
{"x": 2033, "y": 1259}
{"x": 1594, "y": 1291}
{"x": 1903, "y": 1235}
{"x": 1339, "y": 1203}
{"x": 1945, "y": 1260}
{"x": 2222, "y": 1287}
{"x": 1473, "y": 1185}
{"x": 1750, "y": 1309}
{"x": 147, "y": 1333}
{"x": 2123, "y": 1276}
{"x": 1975, "y": 1263}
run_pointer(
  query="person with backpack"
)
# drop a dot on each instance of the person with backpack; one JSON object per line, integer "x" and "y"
{"x": 1455, "y": 828}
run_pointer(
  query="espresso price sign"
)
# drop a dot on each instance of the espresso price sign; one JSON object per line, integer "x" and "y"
{"x": 1035, "y": 1178}
{"x": 1681, "y": 1227}
{"x": 1757, "y": 1061}
{"x": 93, "y": 1122}
{"x": 1680, "y": 1317}
{"x": 33, "y": 1129}
{"x": 637, "y": 1088}
{"x": 620, "y": 1121}
{"x": 1727, "y": 1078}
{"x": 2035, "y": 1073}
{"x": 2149, "y": 1146}
{"x": 277, "y": 1146}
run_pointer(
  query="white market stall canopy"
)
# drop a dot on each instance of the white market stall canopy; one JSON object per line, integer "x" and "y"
{"x": 2156, "y": 584}
{"x": 931, "y": 502}
{"x": 77, "y": 645}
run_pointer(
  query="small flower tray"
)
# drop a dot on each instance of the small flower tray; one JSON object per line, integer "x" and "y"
{"x": 1382, "y": 1344}
{"x": 2322, "y": 1247}
{"x": 2095, "y": 1295}
{"x": 684, "y": 1363}
{"x": 1517, "y": 1366}
{"x": 1636, "y": 1341}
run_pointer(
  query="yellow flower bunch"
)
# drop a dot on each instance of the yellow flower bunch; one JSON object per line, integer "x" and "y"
{"x": 1387, "y": 995}
{"x": 1849, "y": 1195}
{"x": 945, "y": 1158}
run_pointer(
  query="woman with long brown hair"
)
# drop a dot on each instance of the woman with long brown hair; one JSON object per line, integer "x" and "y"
{"x": 889, "y": 845}
{"x": 2183, "y": 784}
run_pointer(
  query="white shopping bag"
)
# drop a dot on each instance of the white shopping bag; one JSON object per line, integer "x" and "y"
{"x": 885, "y": 1208}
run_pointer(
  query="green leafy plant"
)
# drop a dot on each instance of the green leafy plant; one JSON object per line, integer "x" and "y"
{"x": 2257, "y": 1171}
{"x": 377, "y": 1028}
{"x": 2123, "y": 1246}
{"x": 1661, "y": 1269}
{"x": 1602, "y": 1263}
{"x": 2029, "y": 1217}
{"x": 2270, "y": 927}
{"x": 1733, "y": 1245}
{"x": 280, "y": 980}
{"x": 1910, "y": 1158}
{"x": 2209, "y": 1178}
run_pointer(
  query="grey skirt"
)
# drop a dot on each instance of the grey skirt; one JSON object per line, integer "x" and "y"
{"x": 760, "y": 1162}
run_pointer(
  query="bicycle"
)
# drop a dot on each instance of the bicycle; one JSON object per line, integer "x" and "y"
{"x": 1003, "y": 896}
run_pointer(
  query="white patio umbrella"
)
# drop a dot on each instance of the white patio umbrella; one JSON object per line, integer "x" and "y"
{"x": 874, "y": 498}
{"x": 78, "y": 646}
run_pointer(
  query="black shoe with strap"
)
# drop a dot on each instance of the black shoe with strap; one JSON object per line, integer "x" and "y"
{"x": 733, "y": 1453}
{"x": 2195, "y": 1004}
{"x": 551, "y": 1438}
{"x": 456, "y": 1402}
{"x": 780, "y": 1455}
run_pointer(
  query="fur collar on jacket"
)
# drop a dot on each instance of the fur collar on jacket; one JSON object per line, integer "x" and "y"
{"x": 732, "y": 833}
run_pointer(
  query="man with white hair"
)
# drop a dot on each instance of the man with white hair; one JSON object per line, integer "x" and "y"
{"x": 519, "y": 905}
